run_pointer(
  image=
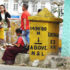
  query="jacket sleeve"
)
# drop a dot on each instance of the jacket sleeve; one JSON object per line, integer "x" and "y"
{"x": 7, "y": 20}
{"x": 8, "y": 15}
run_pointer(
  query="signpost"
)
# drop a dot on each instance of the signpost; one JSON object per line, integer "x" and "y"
{"x": 38, "y": 40}
{"x": 44, "y": 35}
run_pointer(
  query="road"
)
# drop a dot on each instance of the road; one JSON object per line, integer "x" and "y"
{"x": 8, "y": 67}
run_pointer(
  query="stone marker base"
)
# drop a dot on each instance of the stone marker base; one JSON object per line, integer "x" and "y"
{"x": 22, "y": 59}
{"x": 51, "y": 61}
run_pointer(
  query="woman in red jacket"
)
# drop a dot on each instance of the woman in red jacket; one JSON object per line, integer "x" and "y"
{"x": 11, "y": 52}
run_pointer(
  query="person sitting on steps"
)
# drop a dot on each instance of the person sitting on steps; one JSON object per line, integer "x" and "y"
{"x": 11, "y": 51}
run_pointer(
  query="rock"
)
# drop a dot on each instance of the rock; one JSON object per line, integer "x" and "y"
{"x": 61, "y": 62}
{"x": 47, "y": 62}
{"x": 53, "y": 61}
{"x": 23, "y": 64}
{"x": 35, "y": 63}
{"x": 1, "y": 54}
{"x": 22, "y": 58}
{"x": 30, "y": 63}
{"x": 67, "y": 64}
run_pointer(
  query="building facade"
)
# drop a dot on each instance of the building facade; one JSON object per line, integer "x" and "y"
{"x": 14, "y": 7}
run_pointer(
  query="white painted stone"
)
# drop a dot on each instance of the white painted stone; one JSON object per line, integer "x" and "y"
{"x": 22, "y": 58}
{"x": 35, "y": 63}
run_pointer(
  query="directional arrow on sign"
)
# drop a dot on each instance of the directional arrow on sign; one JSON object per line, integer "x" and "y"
{"x": 38, "y": 42}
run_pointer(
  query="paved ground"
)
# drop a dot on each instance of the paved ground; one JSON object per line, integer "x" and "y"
{"x": 7, "y": 67}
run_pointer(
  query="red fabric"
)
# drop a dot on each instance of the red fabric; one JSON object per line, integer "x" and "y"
{"x": 11, "y": 52}
{"x": 20, "y": 41}
{"x": 25, "y": 15}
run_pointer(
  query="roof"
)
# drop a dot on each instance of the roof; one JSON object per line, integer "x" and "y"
{"x": 46, "y": 16}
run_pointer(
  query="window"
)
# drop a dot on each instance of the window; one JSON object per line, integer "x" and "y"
{"x": 43, "y": 6}
{"x": 6, "y": 4}
{"x": 5, "y": 0}
{"x": 35, "y": 8}
{"x": 15, "y": 5}
{"x": 15, "y": 1}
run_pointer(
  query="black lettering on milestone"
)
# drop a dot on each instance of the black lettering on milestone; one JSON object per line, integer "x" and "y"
{"x": 42, "y": 28}
{"x": 42, "y": 54}
{"x": 35, "y": 47}
{"x": 31, "y": 47}
{"x": 54, "y": 47}
{"x": 39, "y": 47}
{"x": 38, "y": 33}
{"x": 52, "y": 41}
{"x": 33, "y": 28}
{"x": 37, "y": 28}
{"x": 33, "y": 53}
{"x": 38, "y": 53}
{"x": 45, "y": 28}
{"x": 45, "y": 47}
